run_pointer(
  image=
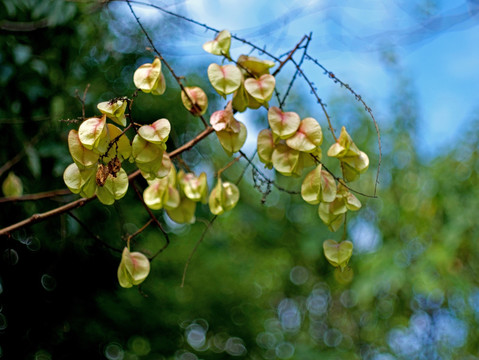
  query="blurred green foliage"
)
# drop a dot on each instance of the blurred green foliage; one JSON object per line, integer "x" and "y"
{"x": 259, "y": 286}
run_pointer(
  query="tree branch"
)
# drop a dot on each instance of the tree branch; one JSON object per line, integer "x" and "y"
{"x": 80, "y": 202}
{"x": 37, "y": 196}
{"x": 200, "y": 240}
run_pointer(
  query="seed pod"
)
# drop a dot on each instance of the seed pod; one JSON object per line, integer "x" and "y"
{"x": 101, "y": 175}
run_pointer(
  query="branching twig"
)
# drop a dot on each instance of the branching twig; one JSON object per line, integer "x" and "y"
{"x": 258, "y": 171}
{"x": 139, "y": 231}
{"x": 200, "y": 240}
{"x": 82, "y": 100}
{"x": 291, "y": 53}
{"x": 366, "y": 107}
{"x": 290, "y": 85}
{"x": 92, "y": 235}
{"x": 155, "y": 220}
{"x": 244, "y": 170}
{"x": 260, "y": 50}
{"x": 172, "y": 72}
{"x": 228, "y": 165}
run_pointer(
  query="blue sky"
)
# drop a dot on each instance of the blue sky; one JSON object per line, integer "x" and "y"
{"x": 440, "y": 52}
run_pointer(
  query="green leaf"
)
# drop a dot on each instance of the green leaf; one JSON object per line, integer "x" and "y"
{"x": 338, "y": 255}
{"x": 261, "y": 89}
{"x": 220, "y": 45}
{"x": 156, "y": 169}
{"x": 134, "y": 268}
{"x": 225, "y": 79}
{"x": 12, "y": 185}
{"x": 283, "y": 124}
{"x": 90, "y": 186}
{"x": 156, "y": 133}
{"x": 348, "y": 200}
{"x": 231, "y": 195}
{"x": 72, "y": 178}
{"x": 308, "y": 137}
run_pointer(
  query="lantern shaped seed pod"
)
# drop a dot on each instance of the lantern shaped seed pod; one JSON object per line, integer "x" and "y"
{"x": 223, "y": 197}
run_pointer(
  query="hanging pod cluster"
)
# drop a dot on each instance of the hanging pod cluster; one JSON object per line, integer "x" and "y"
{"x": 98, "y": 149}
{"x": 289, "y": 145}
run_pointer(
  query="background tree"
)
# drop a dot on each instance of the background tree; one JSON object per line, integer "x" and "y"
{"x": 265, "y": 291}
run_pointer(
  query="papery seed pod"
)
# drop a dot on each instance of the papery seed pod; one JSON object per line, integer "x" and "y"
{"x": 101, "y": 175}
{"x": 114, "y": 166}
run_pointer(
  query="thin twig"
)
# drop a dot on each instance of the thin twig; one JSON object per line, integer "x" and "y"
{"x": 92, "y": 235}
{"x": 228, "y": 165}
{"x": 82, "y": 99}
{"x": 244, "y": 170}
{"x": 276, "y": 72}
{"x": 37, "y": 196}
{"x": 195, "y": 248}
{"x": 290, "y": 85}
{"x": 155, "y": 220}
{"x": 115, "y": 140}
{"x": 359, "y": 98}
{"x": 172, "y": 72}
{"x": 9, "y": 164}
{"x": 292, "y": 192}
{"x": 139, "y": 231}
